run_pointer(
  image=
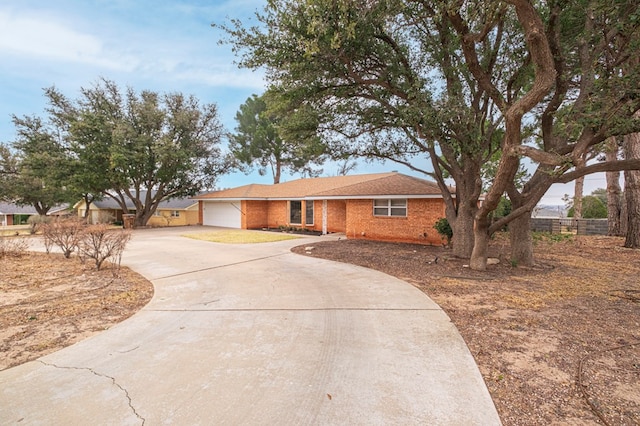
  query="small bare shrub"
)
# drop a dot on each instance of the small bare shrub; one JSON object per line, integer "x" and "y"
{"x": 63, "y": 233}
{"x": 104, "y": 217}
{"x": 13, "y": 246}
{"x": 100, "y": 243}
{"x": 36, "y": 223}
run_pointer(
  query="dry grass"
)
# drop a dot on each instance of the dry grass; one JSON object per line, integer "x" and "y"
{"x": 49, "y": 302}
{"x": 233, "y": 236}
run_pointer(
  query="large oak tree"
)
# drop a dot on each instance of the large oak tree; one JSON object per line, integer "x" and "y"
{"x": 137, "y": 148}
{"x": 457, "y": 81}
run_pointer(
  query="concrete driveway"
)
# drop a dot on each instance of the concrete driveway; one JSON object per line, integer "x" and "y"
{"x": 254, "y": 334}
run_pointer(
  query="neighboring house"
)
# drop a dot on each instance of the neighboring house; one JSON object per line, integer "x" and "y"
{"x": 384, "y": 206}
{"x": 176, "y": 212}
{"x": 173, "y": 212}
{"x": 12, "y": 214}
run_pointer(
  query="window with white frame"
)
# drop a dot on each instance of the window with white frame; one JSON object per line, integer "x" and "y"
{"x": 390, "y": 207}
{"x": 175, "y": 213}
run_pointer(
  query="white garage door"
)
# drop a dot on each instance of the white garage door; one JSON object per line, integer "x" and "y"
{"x": 218, "y": 213}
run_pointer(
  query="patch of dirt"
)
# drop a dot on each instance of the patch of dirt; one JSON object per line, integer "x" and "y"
{"x": 557, "y": 344}
{"x": 48, "y": 302}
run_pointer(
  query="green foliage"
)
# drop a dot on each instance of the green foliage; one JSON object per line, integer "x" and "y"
{"x": 443, "y": 228}
{"x": 503, "y": 209}
{"x": 456, "y": 83}
{"x": 592, "y": 208}
{"x": 273, "y": 134}
{"x": 601, "y": 194}
{"x": 551, "y": 237}
{"x": 127, "y": 144}
{"x": 36, "y": 169}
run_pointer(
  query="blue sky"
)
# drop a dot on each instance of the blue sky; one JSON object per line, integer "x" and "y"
{"x": 161, "y": 45}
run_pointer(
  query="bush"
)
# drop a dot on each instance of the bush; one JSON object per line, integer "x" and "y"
{"x": 63, "y": 233}
{"x": 37, "y": 222}
{"x": 444, "y": 229}
{"x": 13, "y": 246}
{"x": 100, "y": 243}
{"x": 550, "y": 237}
{"x": 104, "y": 217}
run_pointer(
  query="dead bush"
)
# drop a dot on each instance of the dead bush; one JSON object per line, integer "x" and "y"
{"x": 63, "y": 233}
{"x": 13, "y": 246}
{"x": 101, "y": 243}
{"x": 104, "y": 217}
{"x": 37, "y": 222}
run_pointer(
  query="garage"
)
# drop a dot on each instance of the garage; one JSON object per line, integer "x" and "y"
{"x": 221, "y": 213}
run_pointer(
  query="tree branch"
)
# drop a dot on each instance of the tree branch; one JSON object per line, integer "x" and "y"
{"x": 612, "y": 166}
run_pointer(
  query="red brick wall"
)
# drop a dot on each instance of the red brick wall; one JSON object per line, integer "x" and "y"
{"x": 417, "y": 227}
{"x": 278, "y": 213}
{"x": 354, "y": 218}
{"x": 255, "y": 214}
{"x": 336, "y": 215}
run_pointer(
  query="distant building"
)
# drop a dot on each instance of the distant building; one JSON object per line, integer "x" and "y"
{"x": 172, "y": 212}
{"x": 13, "y": 214}
{"x": 549, "y": 212}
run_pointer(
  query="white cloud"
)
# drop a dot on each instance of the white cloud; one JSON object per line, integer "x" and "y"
{"x": 40, "y": 38}
{"x": 46, "y": 42}
{"x": 221, "y": 77}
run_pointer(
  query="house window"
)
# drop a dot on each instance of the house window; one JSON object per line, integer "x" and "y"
{"x": 295, "y": 212}
{"x": 175, "y": 213}
{"x": 308, "y": 213}
{"x": 390, "y": 207}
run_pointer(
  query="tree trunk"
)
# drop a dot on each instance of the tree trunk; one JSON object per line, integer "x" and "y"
{"x": 277, "y": 172}
{"x": 478, "y": 260}
{"x": 623, "y": 215}
{"x": 577, "y": 198}
{"x": 521, "y": 241}
{"x": 143, "y": 216}
{"x": 614, "y": 198}
{"x": 632, "y": 192}
{"x": 463, "y": 232}
{"x": 87, "y": 206}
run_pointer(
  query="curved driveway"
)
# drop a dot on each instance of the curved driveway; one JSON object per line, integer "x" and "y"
{"x": 254, "y": 334}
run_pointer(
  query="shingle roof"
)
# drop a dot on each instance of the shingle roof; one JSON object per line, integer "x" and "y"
{"x": 10, "y": 208}
{"x": 173, "y": 203}
{"x": 353, "y": 186}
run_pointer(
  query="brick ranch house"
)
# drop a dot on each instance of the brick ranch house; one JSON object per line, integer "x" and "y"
{"x": 383, "y": 206}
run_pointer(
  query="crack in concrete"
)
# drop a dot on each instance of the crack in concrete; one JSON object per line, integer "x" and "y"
{"x": 218, "y": 266}
{"x": 113, "y": 381}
